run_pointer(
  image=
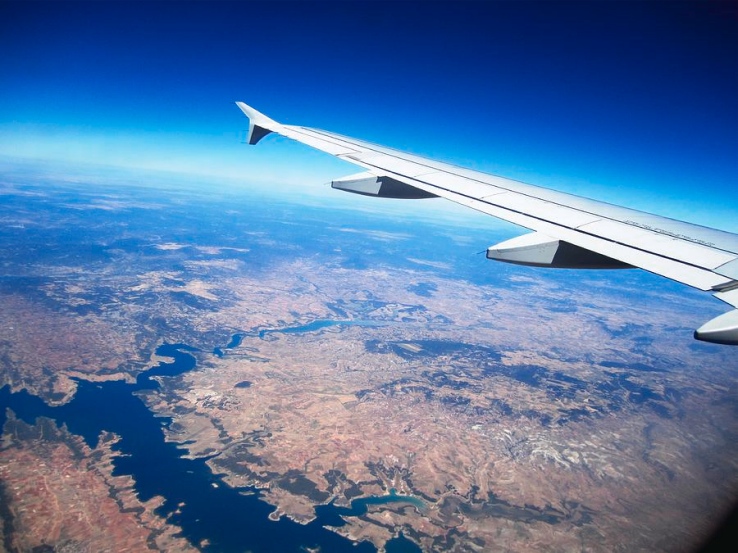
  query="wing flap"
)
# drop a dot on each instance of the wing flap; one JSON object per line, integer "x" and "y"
{"x": 397, "y": 166}
{"x": 471, "y": 188}
{"x": 665, "y": 245}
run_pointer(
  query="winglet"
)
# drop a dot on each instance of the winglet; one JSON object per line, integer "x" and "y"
{"x": 259, "y": 124}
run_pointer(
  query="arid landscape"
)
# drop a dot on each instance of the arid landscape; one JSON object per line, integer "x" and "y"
{"x": 490, "y": 408}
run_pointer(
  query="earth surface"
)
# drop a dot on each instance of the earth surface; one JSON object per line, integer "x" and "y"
{"x": 220, "y": 369}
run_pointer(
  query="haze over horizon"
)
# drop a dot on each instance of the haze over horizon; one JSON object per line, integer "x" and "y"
{"x": 633, "y": 103}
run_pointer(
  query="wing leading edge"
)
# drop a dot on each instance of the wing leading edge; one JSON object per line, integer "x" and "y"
{"x": 568, "y": 231}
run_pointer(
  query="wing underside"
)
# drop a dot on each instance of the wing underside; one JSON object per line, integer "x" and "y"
{"x": 568, "y": 230}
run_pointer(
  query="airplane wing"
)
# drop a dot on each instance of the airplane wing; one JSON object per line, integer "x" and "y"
{"x": 568, "y": 230}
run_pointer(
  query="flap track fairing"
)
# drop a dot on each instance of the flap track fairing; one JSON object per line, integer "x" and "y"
{"x": 538, "y": 250}
{"x": 369, "y": 184}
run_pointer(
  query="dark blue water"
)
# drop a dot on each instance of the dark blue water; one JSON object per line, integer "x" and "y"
{"x": 331, "y": 515}
{"x": 210, "y": 509}
{"x": 319, "y": 324}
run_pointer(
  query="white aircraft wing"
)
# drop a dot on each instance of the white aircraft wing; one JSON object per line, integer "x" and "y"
{"x": 568, "y": 231}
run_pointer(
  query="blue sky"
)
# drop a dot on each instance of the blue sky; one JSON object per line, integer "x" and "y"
{"x": 630, "y": 102}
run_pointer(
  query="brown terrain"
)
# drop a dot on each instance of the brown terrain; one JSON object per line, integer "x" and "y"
{"x": 514, "y": 426}
{"x": 62, "y": 496}
{"x": 352, "y": 411}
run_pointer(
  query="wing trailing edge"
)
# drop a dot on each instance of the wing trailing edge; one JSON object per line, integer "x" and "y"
{"x": 569, "y": 230}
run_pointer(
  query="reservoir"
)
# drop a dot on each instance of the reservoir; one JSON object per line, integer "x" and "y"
{"x": 312, "y": 326}
{"x": 227, "y": 519}
{"x": 331, "y": 515}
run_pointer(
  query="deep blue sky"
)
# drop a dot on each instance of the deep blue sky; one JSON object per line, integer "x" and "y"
{"x": 633, "y": 102}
